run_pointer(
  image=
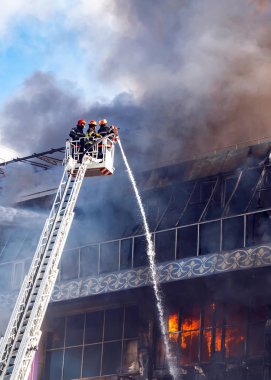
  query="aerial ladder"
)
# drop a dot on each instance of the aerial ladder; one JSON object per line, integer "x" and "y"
{"x": 21, "y": 339}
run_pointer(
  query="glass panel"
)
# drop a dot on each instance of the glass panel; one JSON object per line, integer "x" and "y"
{"x": 72, "y": 363}
{"x": 187, "y": 238}
{"x": 233, "y": 233}
{"x": 258, "y": 228}
{"x": 173, "y": 328}
{"x": 94, "y": 327}
{"x": 53, "y": 365}
{"x": 55, "y": 335}
{"x": 140, "y": 251}
{"x": 69, "y": 265}
{"x": 131, "y": 322}
{"x": 92, "y": 360}
{"x": 206, "y": 345}
{"x": 206, "y": 190}
{"x": 189, "y": 347}
{"x": 111, "y": 358}
{"x": 130, "y": 359}
{"x": 126, "y": 253}
{"x": 209, "y": 238}
{"x": 165, "y": 245}
{"x": 256, "y": 339}
{"x": 208, "y": 315}
{"x": 191, "y": 319}
{"x": 229, "y": 184}
{"x": 74, "y": 331}
{"x": 89, "y": 259}
{"x": 218, "y": 339}
{"x": 109, "y": 260}
{"x": 235, "y": 341}
{"x": 113, "y": 324}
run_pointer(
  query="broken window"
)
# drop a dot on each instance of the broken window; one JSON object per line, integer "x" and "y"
{"x": 130, "y": 357}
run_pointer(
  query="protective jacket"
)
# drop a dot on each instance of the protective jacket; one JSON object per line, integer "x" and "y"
{"x": 91, "y": 136}
{"x": 104, "y": 130}
{"x": 76, "y": 133}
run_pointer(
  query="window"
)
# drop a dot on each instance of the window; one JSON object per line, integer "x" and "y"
{"x": 55, "y": 335}
{"x": 258, "y": 228}
{"x": 69, "y": 266}
{"x": 229, "y": 332}
{"x": 74, "y": 330}
{"x": 94, "y": 344}
{"x": 165, "y": 245}
{"x": 53, "y": 366}
{"x": 126, "y": 248}
{"x": 89, "y": 259}
{"x": 187, "y": 242}
{"x": 140, "y": 251}
{"x": 233, "y": 233}
{"x": 109, "y": 259}
{"x": 209, "y": 238}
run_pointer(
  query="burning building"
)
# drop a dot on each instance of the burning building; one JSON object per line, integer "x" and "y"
{"x": 211, "y": 226}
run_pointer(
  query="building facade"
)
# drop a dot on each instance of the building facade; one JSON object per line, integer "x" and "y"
{"x": 211, "y": 225}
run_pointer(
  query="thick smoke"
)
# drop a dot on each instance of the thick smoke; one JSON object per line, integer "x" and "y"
{"x": 198, "y": 75}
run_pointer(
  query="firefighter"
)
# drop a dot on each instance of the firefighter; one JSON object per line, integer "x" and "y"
{"x": 78, "y": 137}
{"x": 115, "y": 130}
{"x": 91, "y": 135}
{"x": 104, "y": 129}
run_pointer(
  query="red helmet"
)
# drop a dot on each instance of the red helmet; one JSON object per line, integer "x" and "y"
{"x": 92, "y": 122}
{"x": 81, "y": 122}
{"x": 103, "y": 122}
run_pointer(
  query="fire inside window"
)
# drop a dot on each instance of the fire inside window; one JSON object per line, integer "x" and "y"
{"x": 230, "y": 331}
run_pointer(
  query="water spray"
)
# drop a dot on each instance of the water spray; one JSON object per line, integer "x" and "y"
{"x": 153, "y": 269}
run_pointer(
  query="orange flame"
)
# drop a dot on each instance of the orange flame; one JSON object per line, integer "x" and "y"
{"x": 234, "y": 336}
{"x": 173, "y": 324}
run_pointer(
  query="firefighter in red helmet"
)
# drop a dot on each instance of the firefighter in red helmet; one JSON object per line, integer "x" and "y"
{"x": 78, "y": 137}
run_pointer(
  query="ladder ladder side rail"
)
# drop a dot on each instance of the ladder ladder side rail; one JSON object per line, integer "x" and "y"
{"x": 68, "y": 210}
{"x": 25, "y": 292}
{"x": 25, "y": 354}
{"x": 52, "y": 263}
{"x": 20, "y": 300}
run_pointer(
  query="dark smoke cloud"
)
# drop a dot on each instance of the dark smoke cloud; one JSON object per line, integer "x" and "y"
{"x": 199, "y": 74}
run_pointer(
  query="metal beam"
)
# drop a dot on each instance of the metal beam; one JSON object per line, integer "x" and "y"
{"x": 34, "y": 155}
